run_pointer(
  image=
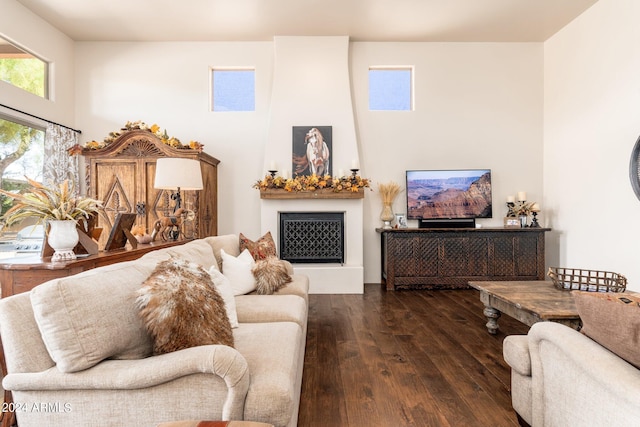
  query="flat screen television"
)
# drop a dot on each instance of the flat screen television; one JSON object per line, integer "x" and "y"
{"x": 463, "y": 194}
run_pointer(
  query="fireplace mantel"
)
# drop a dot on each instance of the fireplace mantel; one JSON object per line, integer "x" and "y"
{"x": 319, "y": 194}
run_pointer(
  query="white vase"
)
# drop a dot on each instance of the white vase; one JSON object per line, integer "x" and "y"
{"x": 62, "y": 237}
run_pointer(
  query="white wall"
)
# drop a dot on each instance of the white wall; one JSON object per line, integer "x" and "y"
{"x": 478, "y": 105}
{"x": 21, "y": 27}
{"x": 592, "y": 121}
{"x": 168, "y": 84}
{"x": 316, "y": 95}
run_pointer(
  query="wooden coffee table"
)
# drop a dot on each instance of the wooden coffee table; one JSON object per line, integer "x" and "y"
{"x": 526, "y": 301}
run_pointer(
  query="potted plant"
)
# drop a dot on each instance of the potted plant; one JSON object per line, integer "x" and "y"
{"x": 57, "y": 207}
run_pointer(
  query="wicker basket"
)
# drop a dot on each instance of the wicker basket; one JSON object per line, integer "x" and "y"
{"x": 587, "y": 280}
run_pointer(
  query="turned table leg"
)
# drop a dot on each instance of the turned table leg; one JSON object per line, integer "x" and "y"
{"x": 492, "y": 316}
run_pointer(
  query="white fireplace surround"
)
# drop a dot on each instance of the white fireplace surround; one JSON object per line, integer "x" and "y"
{"x": 331, "y": 278}
{"x": 322, "y": 97}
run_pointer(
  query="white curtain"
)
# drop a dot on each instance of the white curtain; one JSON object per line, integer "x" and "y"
{"x": 58, "y": 164}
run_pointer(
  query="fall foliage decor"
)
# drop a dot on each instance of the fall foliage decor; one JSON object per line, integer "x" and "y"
{"x": 137, "y": 125}
{"x": 302, "y": 183}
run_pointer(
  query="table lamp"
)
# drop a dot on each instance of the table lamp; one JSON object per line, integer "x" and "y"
{"x": 176, "y": 174}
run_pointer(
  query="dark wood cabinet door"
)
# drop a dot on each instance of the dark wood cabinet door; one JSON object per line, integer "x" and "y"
{"x": 445, "y": 259}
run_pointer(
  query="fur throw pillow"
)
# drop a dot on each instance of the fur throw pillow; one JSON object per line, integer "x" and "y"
{"x": 181, "y": 308}
{"x": 261, "y": 248}
{"x": 271, "y": 275}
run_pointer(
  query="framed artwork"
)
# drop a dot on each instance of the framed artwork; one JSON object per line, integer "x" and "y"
{"x": 312, "y": 150}
{"x": 121, "y": 232}
{"x": 401, "y": 220}
{"x": 511, "y": 222}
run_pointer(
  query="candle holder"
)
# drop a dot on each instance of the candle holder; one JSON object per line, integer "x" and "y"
{"x": 510, "y": 212}
{"x": 354, "y": 174}
{"x": 273, "y": 173}
{"x": 534, "y": 220}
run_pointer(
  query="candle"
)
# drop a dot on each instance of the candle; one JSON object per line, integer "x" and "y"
{"x": 354, "y": 164}
{"x": 522, "y": 196}
{"x": 273, "y": 166}
{"x": 535, "y": 207}
{"x": 511, "y": 199}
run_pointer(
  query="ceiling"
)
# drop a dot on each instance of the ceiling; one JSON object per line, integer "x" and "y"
{"x": 361, "y": 20}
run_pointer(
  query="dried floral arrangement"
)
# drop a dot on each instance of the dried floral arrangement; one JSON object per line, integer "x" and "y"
{"x": 46, "y": 203}
{"x": 521, "y": 209}
{"x": 388, "y": 192}
{"x": 137, "y": 125}
{"x": 313, "y": 183}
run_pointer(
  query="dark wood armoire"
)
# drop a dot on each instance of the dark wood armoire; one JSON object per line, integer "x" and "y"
{"x": 122, "y": 175}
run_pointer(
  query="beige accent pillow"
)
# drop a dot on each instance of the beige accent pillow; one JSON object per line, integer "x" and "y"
{"x": 181, "y": 308}
{"x": 197, "y": 251}
{"x": 612, "y": 319}
{"x": 92, "y": 316}
{"x": 271, "y": 275}
{"x": 228, "y": 242}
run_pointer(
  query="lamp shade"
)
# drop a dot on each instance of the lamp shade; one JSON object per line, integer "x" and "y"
{"x": 172, "y": 173}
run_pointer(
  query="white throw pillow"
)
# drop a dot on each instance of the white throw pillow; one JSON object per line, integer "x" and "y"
{"x": 238, "y": 271}
{"x": 223, "y": 285}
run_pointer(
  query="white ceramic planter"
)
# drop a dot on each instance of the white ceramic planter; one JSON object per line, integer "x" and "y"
{"x": 63, "y": 237}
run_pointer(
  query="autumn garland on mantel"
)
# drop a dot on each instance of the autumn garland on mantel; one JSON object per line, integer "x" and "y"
{"x": 137, "y": 125}
{"x": 311, "y": 183}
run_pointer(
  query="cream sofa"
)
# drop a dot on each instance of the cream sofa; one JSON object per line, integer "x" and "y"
{"x": 257, "y": 380}
{"x": 560, "y": 377}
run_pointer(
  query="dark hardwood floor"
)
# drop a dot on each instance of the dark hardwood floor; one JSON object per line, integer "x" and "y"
{"x": 405, "y": 358}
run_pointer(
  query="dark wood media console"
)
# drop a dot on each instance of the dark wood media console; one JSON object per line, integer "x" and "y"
{"x": 414, "y": 258}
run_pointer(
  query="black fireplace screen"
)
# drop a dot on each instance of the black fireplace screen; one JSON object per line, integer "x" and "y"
{"x": 313, "y": 237}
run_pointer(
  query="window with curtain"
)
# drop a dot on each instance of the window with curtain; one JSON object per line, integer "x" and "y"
{"x": 39, "y": 154}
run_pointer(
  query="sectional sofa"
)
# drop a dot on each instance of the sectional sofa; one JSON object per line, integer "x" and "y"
{"x": 77, "y": 353}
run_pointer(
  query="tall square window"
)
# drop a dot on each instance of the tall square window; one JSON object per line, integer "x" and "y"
{"x": 22, "y": 69}
{"x": 233, "y": 89}
{"x": 391, "y": 88}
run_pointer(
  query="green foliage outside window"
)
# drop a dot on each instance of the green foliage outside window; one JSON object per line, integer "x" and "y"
{"x": 26, "y": 73}
{"x": 21, "y": 153}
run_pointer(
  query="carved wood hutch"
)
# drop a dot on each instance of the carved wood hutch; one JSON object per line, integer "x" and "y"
{"x": 122, "y": 176}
